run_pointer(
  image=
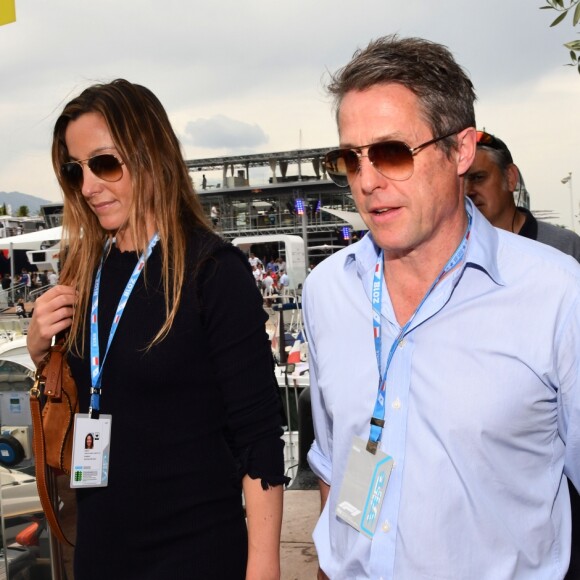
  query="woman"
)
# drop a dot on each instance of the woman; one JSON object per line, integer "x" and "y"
{"x": 187, "y": 377}
{"x": 89, "y": 442}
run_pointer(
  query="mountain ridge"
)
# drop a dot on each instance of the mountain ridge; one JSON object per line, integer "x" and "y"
{"x": 16, "y": 199}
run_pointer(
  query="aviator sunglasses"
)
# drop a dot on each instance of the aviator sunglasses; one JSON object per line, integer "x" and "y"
{"x": 392, "y": 159}
{"x": 106, "y": 167}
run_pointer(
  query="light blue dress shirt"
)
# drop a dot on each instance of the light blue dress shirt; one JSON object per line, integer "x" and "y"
{"x": 482, "y": 412}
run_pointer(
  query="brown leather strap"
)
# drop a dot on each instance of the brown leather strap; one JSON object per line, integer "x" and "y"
{"x": 48, "y": 503}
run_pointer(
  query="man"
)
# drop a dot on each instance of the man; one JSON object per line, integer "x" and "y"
{"x": 254, "y": 261}
{"x": 491, "y": 182}
{"x": 441, "y": 349}
{"x": 284, "y": 282}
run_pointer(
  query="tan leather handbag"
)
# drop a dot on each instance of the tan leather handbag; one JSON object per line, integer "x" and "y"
{"x": 53, "y": 403}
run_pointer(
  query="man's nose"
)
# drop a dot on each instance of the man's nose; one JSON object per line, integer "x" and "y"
{"x": 369, "y": 176}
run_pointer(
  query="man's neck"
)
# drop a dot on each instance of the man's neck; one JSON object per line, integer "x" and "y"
{"x": 511, "y": 220}
{"x": 410, "y": 276}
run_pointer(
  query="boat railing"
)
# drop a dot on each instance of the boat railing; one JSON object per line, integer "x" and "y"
{"x": 34, "y": 294}
{"x": 10, "y": 296}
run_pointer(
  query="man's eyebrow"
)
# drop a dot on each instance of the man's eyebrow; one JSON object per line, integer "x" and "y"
{"x": 380, "y": 139}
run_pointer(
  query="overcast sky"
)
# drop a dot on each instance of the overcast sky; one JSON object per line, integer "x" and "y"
{"x": 245, "y": 76}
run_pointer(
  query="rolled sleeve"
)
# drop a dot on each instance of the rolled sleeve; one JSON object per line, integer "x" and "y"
{"x": 320, "y": 463}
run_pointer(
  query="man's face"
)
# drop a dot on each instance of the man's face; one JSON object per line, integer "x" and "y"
{"x": 423, "y": 211}
{"x": 489, "y": 188}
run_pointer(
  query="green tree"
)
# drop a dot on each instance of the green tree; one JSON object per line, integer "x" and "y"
{"x": 23, "y": 211}
{"x": 563, "y": 7}
{"x": 3, "y": 209}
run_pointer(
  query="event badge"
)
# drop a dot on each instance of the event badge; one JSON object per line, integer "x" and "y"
{"x": 91, "y": 449}
{"x": 363, "y": 487}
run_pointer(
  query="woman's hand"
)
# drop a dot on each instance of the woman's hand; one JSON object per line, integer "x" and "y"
{"x": 52, "y": 314}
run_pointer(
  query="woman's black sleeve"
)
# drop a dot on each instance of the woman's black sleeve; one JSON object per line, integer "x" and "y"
{"x": 234, "y": 322}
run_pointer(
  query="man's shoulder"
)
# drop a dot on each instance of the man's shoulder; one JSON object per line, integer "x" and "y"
{"x": 560, "y": 238}
{"x": 534, "y": 261}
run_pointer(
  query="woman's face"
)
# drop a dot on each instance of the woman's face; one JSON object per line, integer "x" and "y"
{"x": 89, "y": 442}
{"x": 110, "y": 201}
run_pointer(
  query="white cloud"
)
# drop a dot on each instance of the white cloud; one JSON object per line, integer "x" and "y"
{"x": 221, "y": 132}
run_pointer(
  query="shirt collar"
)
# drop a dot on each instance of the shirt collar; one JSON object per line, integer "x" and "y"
{"x": 482, "y": 249}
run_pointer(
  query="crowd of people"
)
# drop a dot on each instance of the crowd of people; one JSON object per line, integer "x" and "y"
{"x": 271, "y": 278}
{"x": 26, "y": 282}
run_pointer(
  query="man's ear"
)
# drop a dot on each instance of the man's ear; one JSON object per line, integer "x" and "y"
{"x": 512, "y": 176}
{"x": 466, "y": 148}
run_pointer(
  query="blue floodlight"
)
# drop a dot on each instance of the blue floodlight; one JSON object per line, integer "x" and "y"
{"x": 346, "y": 233}
{"x": 299, "y": 205}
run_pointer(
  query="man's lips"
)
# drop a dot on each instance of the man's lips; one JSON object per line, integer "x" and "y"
{"x": 382, "y": 210}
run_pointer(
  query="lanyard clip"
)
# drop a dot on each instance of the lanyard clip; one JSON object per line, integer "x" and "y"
{"x": 372, "y": 446}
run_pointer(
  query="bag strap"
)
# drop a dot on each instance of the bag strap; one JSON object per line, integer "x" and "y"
{"x": 38, "y": 445}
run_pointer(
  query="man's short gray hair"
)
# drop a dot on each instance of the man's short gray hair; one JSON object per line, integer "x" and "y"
{"x": 445, "y": 92}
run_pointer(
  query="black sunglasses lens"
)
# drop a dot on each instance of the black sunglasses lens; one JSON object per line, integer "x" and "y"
{"x": 393, "y": 159}
{"x": 106, "y": 167}
{"x": 339, "y": 164}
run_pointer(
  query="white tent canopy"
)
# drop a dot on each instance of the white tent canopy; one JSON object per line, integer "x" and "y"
{"x": 351, "y": 217}
{"x": 32, "y": 241}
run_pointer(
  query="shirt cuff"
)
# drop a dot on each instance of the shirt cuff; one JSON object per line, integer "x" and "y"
{"x": 319, "y": 463}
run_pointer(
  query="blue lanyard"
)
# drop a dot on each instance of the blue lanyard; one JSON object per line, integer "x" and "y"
{"x": 96, "y": 363}
{"x": 378, "y": 418}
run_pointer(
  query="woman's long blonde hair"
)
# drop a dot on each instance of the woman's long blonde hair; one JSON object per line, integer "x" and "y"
{"x": 147, "y": 144}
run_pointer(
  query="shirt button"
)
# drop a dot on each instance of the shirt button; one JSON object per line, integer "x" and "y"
{"x": 402, "y": 342}
{"x": 396, "y": 404}
{"x": 386, "y": 527}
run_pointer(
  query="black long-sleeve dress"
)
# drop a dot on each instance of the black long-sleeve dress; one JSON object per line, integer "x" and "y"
{"x": 190, "y": 417}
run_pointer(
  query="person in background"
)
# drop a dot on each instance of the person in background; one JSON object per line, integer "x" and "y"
{"x": 448, "y": 417}
{"x": 284, "y": 283}
{"x": 52, "y": 278}
{"x": 6, "y": 282}
{"x": 254, "y": 261}
{"x": 267, "y": 283}
{"x": 24, "y": 283}
{"x": 156, "y": 340}
{"x": 21, "y": 308}
{"x": 491, "y": 182}
{"x": 215, "y": 215}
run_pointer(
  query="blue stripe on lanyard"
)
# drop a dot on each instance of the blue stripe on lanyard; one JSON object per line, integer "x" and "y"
{"x": 96, "y": 361}
{"x": 378, "y": 418}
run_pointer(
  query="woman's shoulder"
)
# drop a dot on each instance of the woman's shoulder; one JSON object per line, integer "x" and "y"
{"x": 203, "y": 244}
